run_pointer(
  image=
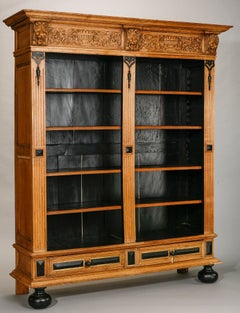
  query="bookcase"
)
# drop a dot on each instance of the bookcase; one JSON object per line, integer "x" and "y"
{"x": 114, "y": 148}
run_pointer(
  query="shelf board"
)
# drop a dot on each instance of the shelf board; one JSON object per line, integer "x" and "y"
{"x": 62, "y": 243}
{"x": 168, "y": 168}
{"x": 171, "y": 93}
{"x": 82, "y": 90}
{"x": 117, "y": 127}
{"x": 168, "y": 127}
{"x": 84, "y": 208}
{"x": 75, "y": 128}
{"x": 67, "y": 172}
{"x": 145, "y": 203}
{"x": 119, "y": 91}
{"x": 164, "y": 234}
{"x": 96, "y": 171}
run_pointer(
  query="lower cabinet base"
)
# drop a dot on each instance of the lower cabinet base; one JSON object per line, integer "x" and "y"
{"x": 39, "y": 271}
{"x": 39, "y": 299}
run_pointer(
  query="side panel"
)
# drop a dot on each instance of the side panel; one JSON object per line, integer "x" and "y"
{"x": 29, "y": 166}
{"x": 209, "y": 147}
{"x": 23, "y": 164}
{"x": 39, "y": 150}
{"x": 128, "y": 149}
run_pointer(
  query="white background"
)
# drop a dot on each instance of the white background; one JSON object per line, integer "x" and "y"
{"x": 227, "y": 165}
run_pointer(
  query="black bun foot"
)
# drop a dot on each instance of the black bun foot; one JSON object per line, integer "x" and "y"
{"x": 39, "y": 299}
{"x": 208, "y": 275}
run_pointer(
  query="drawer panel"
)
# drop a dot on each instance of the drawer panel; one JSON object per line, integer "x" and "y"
{"x": 81, "y": 263}
{"x": 187, "y": 251}
{"x": 170, "y": 253}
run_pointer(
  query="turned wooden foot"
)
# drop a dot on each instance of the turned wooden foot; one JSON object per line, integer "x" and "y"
{"x": 182, "y": 270}
{"x": 39, "y": 299}
{"x": 207, "y": 274}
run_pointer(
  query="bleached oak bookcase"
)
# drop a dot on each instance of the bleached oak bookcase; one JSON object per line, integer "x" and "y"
{"x": 114, "y": 148}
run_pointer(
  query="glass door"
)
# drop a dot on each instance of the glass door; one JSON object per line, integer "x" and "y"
{"x": 83, "y": 135}
{"x": 169, "y": 148}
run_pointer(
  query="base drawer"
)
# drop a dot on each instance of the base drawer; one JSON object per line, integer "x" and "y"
{"x": 170, "y": 253}
{"x": 67, "y": 265}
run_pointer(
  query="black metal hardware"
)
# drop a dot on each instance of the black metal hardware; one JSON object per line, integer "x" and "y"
{"x": 88, "y": 263}
{"x": 209, "y": 64}
{"x": 129, "y": 61}
{"x": 39, "y": 152}
{"x": 129, "y": 149}
{"x": 209, "y": 147}
{"x": 38, "y": 57}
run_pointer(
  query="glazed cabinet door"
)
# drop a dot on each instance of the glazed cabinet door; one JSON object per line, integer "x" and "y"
{"x": 169, "y": 134}
{"x": 125, "y": 152}
{"x": 83, "y": 140}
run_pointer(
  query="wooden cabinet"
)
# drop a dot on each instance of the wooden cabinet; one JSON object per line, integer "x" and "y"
{"x": 114, "y": 148}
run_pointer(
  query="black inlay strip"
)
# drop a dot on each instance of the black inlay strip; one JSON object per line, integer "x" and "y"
{"x": 208, "y": 248}
{"x": 105, "y": 260}
{"x": 131, "y": 257}
{"x": 40, "y": 268}
{"x": 66, "y": 265}
{"x": 186, "y": 251}
{"x": 152, "y": 255}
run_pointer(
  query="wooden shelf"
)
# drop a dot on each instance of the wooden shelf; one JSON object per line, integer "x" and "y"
{"x": 142, "y": 127}
{"x": 82, "y": 90}
{"x": 67, "y": 172}
{"x": 73, "y": 128}
{"x": 119, "y": 91}
{"x": 170, "y": 93}
{"x": 146, "y": 203}
{"x": 169, "y": 127}
{"x": 78, "y": 243}
{"x": 168, "y": 168}
{"x": 85, "y": 210}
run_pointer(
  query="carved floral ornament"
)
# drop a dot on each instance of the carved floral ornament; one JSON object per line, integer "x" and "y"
{"x": 44, "y": 34}
{"x": 211, "y": 43}
{"x": 40, "y": 33}
{"x": 134, "y": 40}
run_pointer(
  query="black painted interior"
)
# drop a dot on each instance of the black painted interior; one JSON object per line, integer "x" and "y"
{"x": 74, "y": 150}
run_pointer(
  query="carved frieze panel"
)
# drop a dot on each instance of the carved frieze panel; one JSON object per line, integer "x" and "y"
{"x": 162, "y": 42}
{"x": 84, "y": 37}
{"x": 53, "y": 35}
{"x": 130, "y": 39}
